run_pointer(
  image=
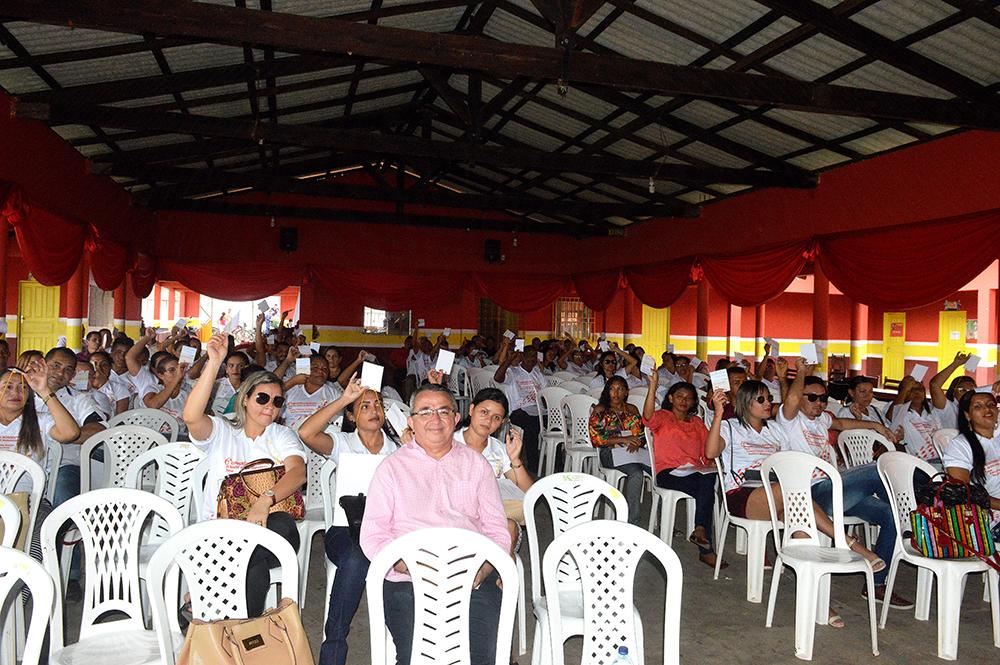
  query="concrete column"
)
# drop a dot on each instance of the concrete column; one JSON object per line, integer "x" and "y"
{"x": 701, "y": 342}
{"x": 821, "y": 316}
{"x": 859, "y": 339}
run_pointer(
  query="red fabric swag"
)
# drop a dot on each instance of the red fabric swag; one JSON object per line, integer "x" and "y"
{"x": 51, "y": 246}
{"x": 521, "y": 293}
{"x": 660, "y": 284}
{"x": 597, "y": 289}
{"x": 747, "y": 280}
{"x": 243, "y": 280}
{"x": 914, "y": 265}
{"x": 390, "y": 291}
{"x": 108, "y": 263}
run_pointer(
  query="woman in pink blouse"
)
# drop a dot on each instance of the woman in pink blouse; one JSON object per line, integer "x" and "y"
{"x": 679, "y": 456}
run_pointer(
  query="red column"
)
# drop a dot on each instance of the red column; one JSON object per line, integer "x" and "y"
{"x": 120, "y": 296}
{"x": 821, "y": 315}
{"x": 73, "y": 311}
{"x": 759, "y": 332}
{"x": 859, "y": 339}
{"x": 84, "y": 290}
{"x": 3, "y": 268}
{"x": 191, "y": 305}
{"x": 157, "y": 295}
{"x": 734, "y": 330}
{"x": 701, "y": 326}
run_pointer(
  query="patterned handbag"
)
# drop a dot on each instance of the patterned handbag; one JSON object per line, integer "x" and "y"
{"x": 950, "y": 522}
{"x": 240, "y": 490}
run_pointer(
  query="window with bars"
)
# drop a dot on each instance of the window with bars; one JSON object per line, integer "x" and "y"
{"x": 571, "y": 317}
{"x": 381, "y": 322}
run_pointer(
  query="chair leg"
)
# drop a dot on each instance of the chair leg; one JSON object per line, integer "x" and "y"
{"x": 522, "y": 604}
{"x": 540, "y": 645}
{"x": 823, "y": 600}
{"x": 721, "y": 541}
{"x": 870, "y": 581}
{"x": 993, "y": 583}
{"x": 756, "y": 547}
{"x": 805, "y": 611}
{"x": 925, "y": 584}
{"x": 741, "y": 541}
{"x": 889, "y": 582}
{"x": 652, "y": 514}
{"x": 667, "y": 514}
{"x": 303, "y": 555}
{"x": 949, "y": 605}
{"x": 773, "y": 596}
{"x": 689, "y": 512}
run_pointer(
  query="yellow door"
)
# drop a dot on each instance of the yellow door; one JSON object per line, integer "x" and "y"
{"x": 655, "y": 331}
{"x": 893, "y": 344}
{"x": 951, "y": 338}
{"x": 37, "y": 316}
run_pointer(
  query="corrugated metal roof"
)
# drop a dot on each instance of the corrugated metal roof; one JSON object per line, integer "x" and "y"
{"x": 703, "y": 114}
{"x": 83, "y": 72}
{"x": 438, "y": 20}
{"x": 508, "y": 28}
{"x": 818, "y": 159}
{"x": 546, "y": 116}
{"x": 815, "y": 57}
{"x": 635, "y": 38}
{"x": 384, "y": 102}
{"x": 887, "y": 139}
{"x": 696, "y": 197}
{"x": 629, "y": 150}
{"x": 898, "y": 18}
{"x": 226, "y": 109}
{"x": 387, "y": 81}
{"x": 312, "y": 76}
{"x": 530, "y": 137}
{"x": 21, "y": 80}
{"x": 301, "y": 97}
{"x": 971, "y": 48}
{"x": 764, "y": 139}
{"x": 317, "y": 115}
{"x": 38, "y": 39}
{"x": 716, "y": 19}
{"x": 202, "y": 56}
{"x": 153, "y": 141}
{"x": 823, "y": 126}
{"x": 660, "y": 135}
{"x": 71, "y": 132}
{"x": 765, "y": 36}
{"x": 145, "y": 101}
{"x": 710, "y": 155}
{"x": 193, "y": 95}
{"x": 880, "y": 76}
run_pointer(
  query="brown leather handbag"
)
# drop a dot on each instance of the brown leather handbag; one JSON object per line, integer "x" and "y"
{"x": 239, "y": 491}
{"x": 275, "y": 638}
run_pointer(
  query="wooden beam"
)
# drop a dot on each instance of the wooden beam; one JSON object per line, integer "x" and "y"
{"x": 369, "y": 143}
{"x": 288, "y": 32}
{"x": 209, "y": 180}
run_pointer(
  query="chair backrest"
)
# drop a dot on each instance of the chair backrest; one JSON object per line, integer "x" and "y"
{"x": 563, "y": 375}
{"x": 637, "y": 400}
{"x": 111, "y": 523}
{"x": 549, "y": 399}
{"x": 595, "y": 392}
{"x": 571, "y": 499}
{"x": 574, "y": 387}
{"x": 553, "y": 380}
{"x": 12, "y": 467}
{"x": 942, "y": 438}
{"x": 576, "y": 411}
{"x": 794, "y": 471}
{"x": 198, "y": 479}
{"x": 443, "y": 564}
{"x": 175, "y": 464}
{"x": 17, "y": 568}
{"x": 896, "y": 470}
{"x": 856, "y": 445}
{"x": 53, "y": 462}
{"x": 10, "y": 515}
{"x": 403, "y": 406}
{"x": 213, "y": 556}
{"x": 122, "y": 444}
{"x": 314, "y": 488}
{"x": 328, "y": 486}
{"x": 607, "y": 555}
{"x": 456, "y": 381}
{"x": 641, "y": 392}
{"x": 154, "y": 419}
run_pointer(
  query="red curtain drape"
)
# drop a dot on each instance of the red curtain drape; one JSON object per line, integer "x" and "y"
{"x": 51, "y": 246}
{"x": 597, "y": 289}
{"x": 747, "y": 280}
{"x": 914, "y": 265}
{"x": 232, "y": 280}
{"x": 391, "y": 290}
{"x": 659, "y": 284}
{"x": 143, "y": 275}
{"x": 521, "y": 293}
{"x": 108, "y": 262}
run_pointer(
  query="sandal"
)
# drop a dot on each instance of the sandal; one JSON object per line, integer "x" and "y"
{"x": 877, "y": 563}
{"x": 835, "y": 621}
{"x": 710, "y": 562}
{"x": 701, "y": 541}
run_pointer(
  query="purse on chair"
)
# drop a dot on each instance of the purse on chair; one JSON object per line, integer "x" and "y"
{"x": 952, "y": 521}
{"x": 275, "y": 638}
{"x": 354, "y": 509}
{"x": 239, "y": 491}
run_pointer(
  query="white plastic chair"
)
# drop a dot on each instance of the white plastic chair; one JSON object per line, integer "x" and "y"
{"x": 212, "y": 557}
{"x": 328, "y": 488}
{"x": 563, "y": 375}
{"x": 111, "y": 523}
{"x": 812, "y": 560}
{"x": 12, "y": 467}
{"x": 580, "y": 452}
{"x": 571, "y": 499}
{"x": 10, "y": 515}
{"x": 551, "y": 425}
{"x": 443, "y": 564}
{"x": 122, "y": 444}
{"x": 607, "y": 555}
{"x": 856, "y": 445}
{"x": 595, "y": 392}
{"x": 942, "y": 438}
{"x": 54, "y": 462}
{"x": 575, "y": 387}
{"x": 896, "y": 470}
{"x": 175, "y": 464}
{"x": 313, "y": 521}
{"x": 756, "y": 540}
{"x": 154, "y": 419}
{"x": 18, "y": 568}
{"x": 640, "y": 397}
{"x": 665, "y": 503}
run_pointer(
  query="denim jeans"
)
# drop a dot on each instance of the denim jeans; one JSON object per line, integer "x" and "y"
{"x": 345, "y": 596}
{"x": 633, "y": 482}
{"x": 702, "y": 487}
{"x": 484, "y": 618}
{"x": 68, "y": 486}
{"x": 864, "y": 497}
{"x": 262, "y": 560}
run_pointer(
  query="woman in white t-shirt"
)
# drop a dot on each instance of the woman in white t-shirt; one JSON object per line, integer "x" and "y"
{"x": 170, "y": 392}
{"x": 606, "y": 367}
{"x": 974, "y": 455}
{"x": 227, "y": 386}
{"x": 944, "y": 404}
{"x": 743, "y": 443}
{"x": 231, "y": 445}
{"x": 25, "y": 431}
{"x": 110, "y": 393}
{"x": 912, "y": 416}
{"x": 365, "y": 417}
{"x": 307, "y": 393}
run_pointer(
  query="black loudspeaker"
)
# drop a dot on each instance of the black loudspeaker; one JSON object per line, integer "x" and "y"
{"x": 492, "y": 251}
{"x": 288, "y": 238}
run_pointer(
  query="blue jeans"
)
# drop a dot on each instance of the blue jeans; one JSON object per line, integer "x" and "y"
{"x": 68, "y": 486}
{"x": 484, "y": 618}
{"x": 345, "y": 595}
{"x": 633, "y": 482}
{"x": 864, "y": 497}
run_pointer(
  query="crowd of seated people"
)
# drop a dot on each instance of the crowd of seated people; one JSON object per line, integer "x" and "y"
{"x": 244, "y": 404}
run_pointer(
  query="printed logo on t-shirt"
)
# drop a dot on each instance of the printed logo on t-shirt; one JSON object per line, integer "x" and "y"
{"x": 992, "y": 468}
{"x": 925, "y": 450}
{"x": 8, "y": 442}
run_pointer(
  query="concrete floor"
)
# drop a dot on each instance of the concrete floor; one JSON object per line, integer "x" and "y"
{"x": 719, "y": 626}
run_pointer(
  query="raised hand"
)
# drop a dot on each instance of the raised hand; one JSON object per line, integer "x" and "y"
{"x": 353, "y": 389}
{"x": 653, "y": 379}
{"x": 781, "y": 367}
{"x": 962, "y": 358}
{"x": 719, "y": 401}
{"x": 36, "y": 374}
{"x": 514, "y": 445}
{"x": 435, "y": 376}
{"x": 217, "y": 347}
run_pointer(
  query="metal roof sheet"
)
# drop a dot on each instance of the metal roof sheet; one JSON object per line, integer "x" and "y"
{"x": 896, "y": 19}
{"x": 880, "y": 76}
{"x": 710, "y": 155}
{"x": 83, "y": 72}
{"x": 764, "y": 139}
{"x": 813, "y": 58}
{"x": 202, "y": 56}
{"x": 971, "y": 48}
{"x": 886, "y": 139}
{"x": 634, "y": 37}
{"x": 703, "y": 114}
{"x": 716, "y": 19}
{"x": 21, "y": 80}
{"x": 37, "y": 38}
{"x": 438, "y": 20}
{"x": 818, "y": 159}
{"x": 508, "y": 28}
{"x": 821, "y": 125}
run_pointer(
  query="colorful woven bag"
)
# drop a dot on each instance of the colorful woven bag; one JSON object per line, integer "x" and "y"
{"x": 949, "y": 524}
{"x": 240, "y": 490}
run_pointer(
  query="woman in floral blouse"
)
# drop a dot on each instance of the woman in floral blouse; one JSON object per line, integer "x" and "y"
{"x": 616, "y": 424}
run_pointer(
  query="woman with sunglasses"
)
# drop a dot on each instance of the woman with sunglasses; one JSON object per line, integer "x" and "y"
{"x": 230, "y": 446}
{"x": 679, "y": 456}
{"x": 364, "y": 433}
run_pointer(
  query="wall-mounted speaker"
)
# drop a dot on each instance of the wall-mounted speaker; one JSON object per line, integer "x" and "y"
{"x": 491, "y": 251}
{"x": 288, "y": 238}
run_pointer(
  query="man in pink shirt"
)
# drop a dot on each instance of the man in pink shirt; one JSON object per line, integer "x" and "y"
{"x": 434, "y": 482}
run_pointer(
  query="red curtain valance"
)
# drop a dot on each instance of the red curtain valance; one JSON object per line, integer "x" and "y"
{"x": 747, "y": 280}
{"x": 659, "y": 284}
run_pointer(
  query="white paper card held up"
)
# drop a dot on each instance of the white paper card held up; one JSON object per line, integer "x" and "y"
{"x": 919, "y": 372}
{"x": 509, "y": 334}
{"x": 314, "y": 346}
{"x": 82, "y": 380}
{"x": 738, "y": 357}
{"x": 670, "y": 348}
{"x": 187, "y": 355}
{"x": 302, "y": 366}
{"x": 808, "y": 352}
{"x": 604, "y": 346}
{"x": 371, "y": 376}
{"x": 445, "y": 360}
{"x": 396, "y": 418}
{"x": 181, "y": 323}
{"x": 263, "y": 306}
{"x": 354, "y": 474}
{"x": 720, "y": 379}
{"x": 420, "y": 323}
{"x": 972, "y": 363}
{"x": 269, "y": 339}
{"x": 698, "y": 362}
{"x": 647, "y": 364}
{"x": 775, "y": 347}
{"x": 446, "y": 332}
{"x": 519, "y": 345}
{"x": 305, "y": 350}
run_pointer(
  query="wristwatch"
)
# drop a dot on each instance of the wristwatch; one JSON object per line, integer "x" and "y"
{"x": 270, "y": 493}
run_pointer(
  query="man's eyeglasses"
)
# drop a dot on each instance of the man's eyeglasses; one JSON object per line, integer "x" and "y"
{"x": 425, "y": 414}
{"x": 264, "y": 398}
{"x": 813, "y": 397}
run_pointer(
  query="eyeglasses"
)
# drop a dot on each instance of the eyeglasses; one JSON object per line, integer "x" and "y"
{"x": 761, "y": 399}
{"x": 264, "y": 398}
{"x": 813, "y": 397}
{"x": 425, "y": 414}
{"x": 609, "y": 361}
